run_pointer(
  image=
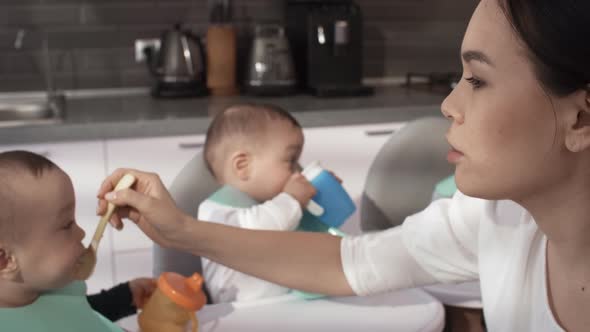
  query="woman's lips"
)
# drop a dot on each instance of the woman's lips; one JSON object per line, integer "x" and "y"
{"x": 454, "y": 156}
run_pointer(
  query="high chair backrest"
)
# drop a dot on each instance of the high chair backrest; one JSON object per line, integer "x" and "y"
{"x": 402, "y": 177}
{"x": 193, "y": 184}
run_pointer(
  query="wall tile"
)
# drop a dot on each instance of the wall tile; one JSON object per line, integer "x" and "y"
{"x": 91, "y": 41}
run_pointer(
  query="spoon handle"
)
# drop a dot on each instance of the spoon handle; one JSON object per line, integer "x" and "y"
{"x": 126, "y": 181}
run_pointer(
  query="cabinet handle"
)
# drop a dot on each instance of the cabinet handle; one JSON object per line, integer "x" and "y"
{"x": 382, "y": 132}
{"x": 187, "y": 146}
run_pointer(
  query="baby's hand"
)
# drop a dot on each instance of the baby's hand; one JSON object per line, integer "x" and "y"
{"x": 336, "y": 176}
{"x": 298, "y": 187}
{"x": 141, "y": 290}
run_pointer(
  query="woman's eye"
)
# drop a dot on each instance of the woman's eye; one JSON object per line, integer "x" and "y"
{"x": 475, "y": 82}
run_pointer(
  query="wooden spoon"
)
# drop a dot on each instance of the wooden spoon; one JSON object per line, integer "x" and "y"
{"x": 87, "y": 261}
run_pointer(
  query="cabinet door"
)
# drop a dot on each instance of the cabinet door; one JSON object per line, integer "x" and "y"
{"x": 132, "y": 264}
{"x": 163, "y": 155}
{"x": 84, "y": 163}
{"x": 348, "y": 151}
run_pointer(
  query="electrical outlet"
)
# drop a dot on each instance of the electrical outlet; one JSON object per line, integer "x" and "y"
{"x": 142, "y": 44}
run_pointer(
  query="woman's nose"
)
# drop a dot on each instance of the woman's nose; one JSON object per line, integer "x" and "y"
{"x": 451, "y": 108}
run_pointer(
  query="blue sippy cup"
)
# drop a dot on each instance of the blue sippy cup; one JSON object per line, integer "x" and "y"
{"x": 331, "y": 205}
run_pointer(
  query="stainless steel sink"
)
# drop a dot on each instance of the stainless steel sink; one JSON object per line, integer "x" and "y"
{"x": 31, "y": 112}
{"x": 27, "y": 110}
{"x": 20, "y": 112}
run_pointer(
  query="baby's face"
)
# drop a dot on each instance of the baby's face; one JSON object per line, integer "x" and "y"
{"x": 51, "y": 245}
{"x": 274, "y": 164}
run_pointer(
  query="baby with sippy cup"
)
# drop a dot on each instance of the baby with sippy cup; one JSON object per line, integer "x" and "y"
{"x": 253, "y": 151}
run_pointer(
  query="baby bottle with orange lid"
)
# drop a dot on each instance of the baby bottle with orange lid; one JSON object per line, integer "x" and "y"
{"x": 172, "y": 306}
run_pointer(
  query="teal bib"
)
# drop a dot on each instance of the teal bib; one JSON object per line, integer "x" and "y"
{"x": 445, "y": 188}
{"x": 230, "y": 196}
{"x": 63, "y": 310}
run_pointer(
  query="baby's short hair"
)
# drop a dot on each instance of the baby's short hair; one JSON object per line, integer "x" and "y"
{"x": 243, "y": 120}
{"x": 11, "y": 164}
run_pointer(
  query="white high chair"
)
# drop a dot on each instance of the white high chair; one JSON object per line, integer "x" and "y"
{"x": 408, "y": 310}
{"x": 401, "y": 182}
{"x": 193, "y": 184}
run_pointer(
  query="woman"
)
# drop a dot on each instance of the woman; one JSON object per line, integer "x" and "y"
{"x": 520, "y": 138}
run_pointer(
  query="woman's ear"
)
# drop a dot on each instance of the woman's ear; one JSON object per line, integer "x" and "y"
{"x": 240, "y": 164}
{"x": 577, "y": 136}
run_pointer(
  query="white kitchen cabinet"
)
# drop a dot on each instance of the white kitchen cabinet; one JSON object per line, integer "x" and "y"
{"x": 163, "y": 155}
{"x": 133, "y": 264}
{"x": 348, "y": 151}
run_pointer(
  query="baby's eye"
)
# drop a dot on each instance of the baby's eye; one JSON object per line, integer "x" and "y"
{"x": 69, "y": 225}
{"x": 294, "y": 163}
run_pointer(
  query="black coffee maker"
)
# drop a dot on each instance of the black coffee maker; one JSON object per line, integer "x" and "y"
{"x": 326, "y": 37}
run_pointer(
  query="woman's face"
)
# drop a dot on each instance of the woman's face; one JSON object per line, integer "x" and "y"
{"x": 503, "y": 123}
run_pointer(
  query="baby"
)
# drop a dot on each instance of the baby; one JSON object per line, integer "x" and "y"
{"x": 253, "y": 151}
{"x": 40, "y": 244}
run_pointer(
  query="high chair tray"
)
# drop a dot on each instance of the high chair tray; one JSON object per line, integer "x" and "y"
{"x": 408, "y": 310}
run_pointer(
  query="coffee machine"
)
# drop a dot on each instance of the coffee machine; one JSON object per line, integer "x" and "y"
{"x": 326, "y": 37}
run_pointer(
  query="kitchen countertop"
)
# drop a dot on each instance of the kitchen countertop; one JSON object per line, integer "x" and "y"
{"x": 140, "y": 115}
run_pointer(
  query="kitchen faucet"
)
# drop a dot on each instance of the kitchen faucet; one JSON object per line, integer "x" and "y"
{"x": 55, "y": 99}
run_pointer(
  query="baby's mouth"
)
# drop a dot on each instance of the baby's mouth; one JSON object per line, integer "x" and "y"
{"x": 81, "y": 249}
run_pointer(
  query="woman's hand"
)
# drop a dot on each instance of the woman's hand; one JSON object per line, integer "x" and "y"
{"x": 148, "y": 204}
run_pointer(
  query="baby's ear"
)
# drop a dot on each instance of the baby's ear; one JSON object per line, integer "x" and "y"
{"x": 240, "y": 163}
{"x": 8, "y": 264}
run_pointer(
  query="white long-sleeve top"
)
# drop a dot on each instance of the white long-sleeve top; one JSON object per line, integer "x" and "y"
{"x": 456, "y": 240}
{"x": 282, "y": 213}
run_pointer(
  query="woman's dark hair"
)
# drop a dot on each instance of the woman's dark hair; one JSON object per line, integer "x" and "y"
{"x": 557, "y": 34}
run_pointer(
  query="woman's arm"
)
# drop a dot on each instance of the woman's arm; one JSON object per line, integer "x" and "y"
{"x": 299, "y": 260}
{"x": 305, "y": 261}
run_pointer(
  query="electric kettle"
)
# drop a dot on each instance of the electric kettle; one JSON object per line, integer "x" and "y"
{"x": 179, "y": 66}
{"x": 271, "y": 70}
